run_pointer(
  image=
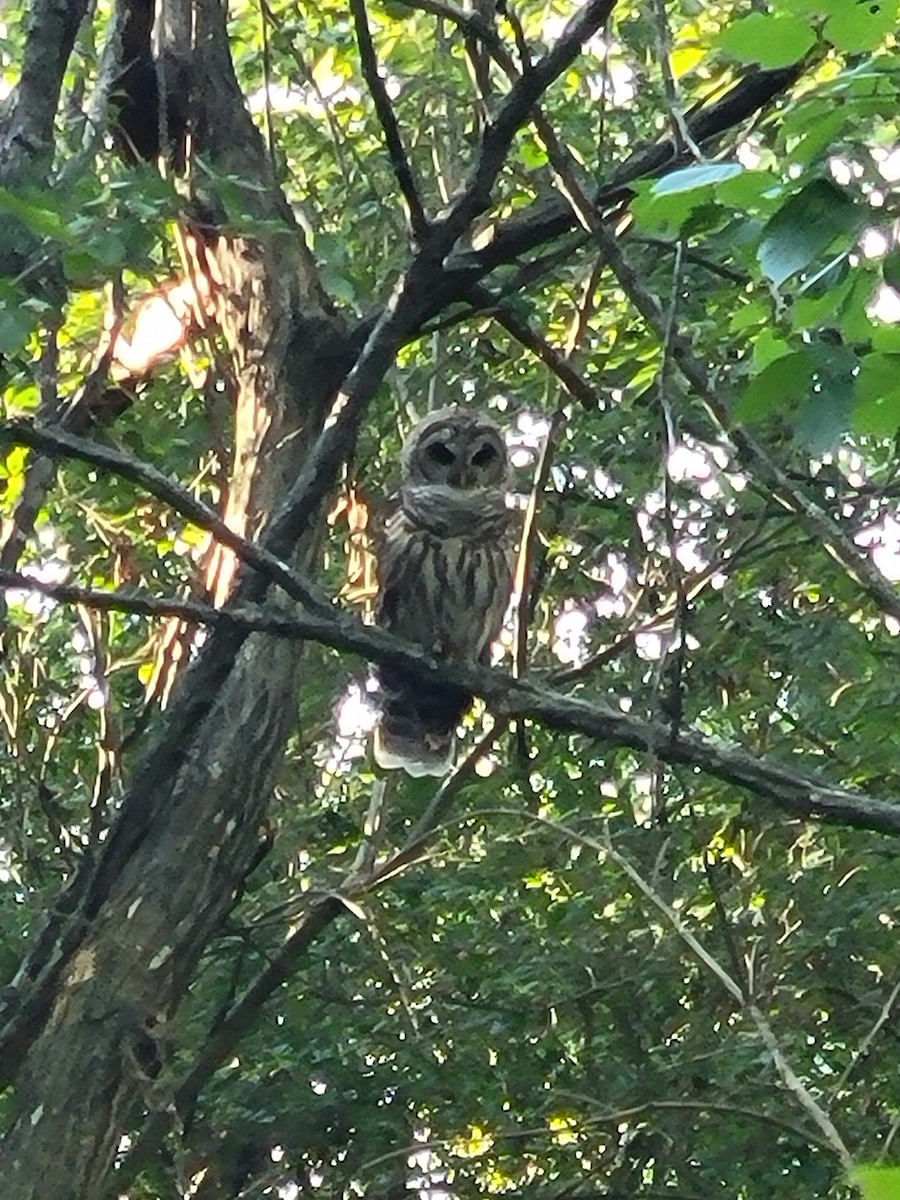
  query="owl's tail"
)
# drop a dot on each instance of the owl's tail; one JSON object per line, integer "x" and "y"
{"x": 416, "y": 730}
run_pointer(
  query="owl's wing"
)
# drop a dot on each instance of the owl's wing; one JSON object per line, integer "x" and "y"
{"x": 417, "y": 725}
{"x": 391, "y": 545}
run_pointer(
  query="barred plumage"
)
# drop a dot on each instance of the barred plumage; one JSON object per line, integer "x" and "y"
{"x": 445, "y": 575}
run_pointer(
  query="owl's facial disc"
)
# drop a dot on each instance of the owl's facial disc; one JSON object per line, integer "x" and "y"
{"x": 458, "y": 449}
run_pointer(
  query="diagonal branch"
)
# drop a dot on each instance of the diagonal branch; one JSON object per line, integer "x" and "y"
{"x": 836, "y": 540}
{"x": 788, "y": 1076}
{"x": 515, "y": 110}
{"x": 798, "y": 794}
{"x": 57, "y": 444}
{"x": 203, "y": 681}
{"x": 548, "y": 219}
{"x": 403, "y": 171}
{"x": 552, "y": 358}
{"x": 680, "y": 351}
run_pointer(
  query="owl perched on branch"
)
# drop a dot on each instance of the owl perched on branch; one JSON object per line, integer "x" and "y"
{"x": 444, "y": 579}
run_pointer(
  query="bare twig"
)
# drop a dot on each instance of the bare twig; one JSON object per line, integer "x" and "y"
{"x": 680, "y": 132}
{"x": 865, "y": 1045}
{"x": 798, "y": 1088}
{"x": 699, "y": 1106}
{"x": 788, "y": 1076}
{"x": 671, "y": 665}
{"x": 839, "y": 544}
{"x": 552, "y": 358}
{"x": 265, "y": 16}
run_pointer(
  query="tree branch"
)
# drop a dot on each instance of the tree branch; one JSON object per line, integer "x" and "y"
{"x": 552, "y": 358}
{"x": 679, "y": 350}
{"x": 515, "y": 110}
{"x": 57, "y": 444}
{"x": 788, "y": 1076}
{"x": 548, "y": 219}
{"x": 399, "y": 159}
{"x": 798, "y": 794}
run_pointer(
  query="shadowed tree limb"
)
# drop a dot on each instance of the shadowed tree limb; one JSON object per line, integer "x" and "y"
{"x": 197, "y": 794}
{"x": 403, "y": 171}
{"x": 26, "y": 136}
{"x": 547, "y": 219}
{"x": 751, "y": 454}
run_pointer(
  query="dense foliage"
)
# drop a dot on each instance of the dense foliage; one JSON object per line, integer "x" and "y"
{"x": 601, "y": 966}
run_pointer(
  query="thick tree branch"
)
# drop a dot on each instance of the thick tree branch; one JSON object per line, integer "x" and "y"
{"x": 172, "y": 755}
{"x": 26, "y": 140}
{"x": 679, "y": 350}
{"x": 548, "y": 219}
{"x": 514, "y": 111}
{"x": 800, "y": 795}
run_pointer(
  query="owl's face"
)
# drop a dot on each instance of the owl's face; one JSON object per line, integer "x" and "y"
{"x": 457, "y": 448}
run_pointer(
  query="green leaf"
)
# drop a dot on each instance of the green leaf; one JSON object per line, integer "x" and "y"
{"x": 16, "y": 325}
{"x": 827, "y": 413}
{"x": 664, "y": 214}
{"x": 805, "y": 227}
{"x": 777, "y": 387}
{"x": 339, "y": 287}
{"x": 690, "y": 178}
{"x": 810, "y": 311}
{"x": 886, "y": 338}
{"x": 826, "y": 416}
{"x": 877, "y": 395}
{"x": 861, "y": 25}
{"x": 750, "y": 313}
{"x": 771, "y": 41}
{"x": 749, "y": 189}
{"x": 44, "y": 221}
{"x": 877, "y": 1183}
{"x": 811, "y": 7}
{"x": 767, "y": 348}
{"x": 819, "y": 135}
{"x": 855, "y": 323}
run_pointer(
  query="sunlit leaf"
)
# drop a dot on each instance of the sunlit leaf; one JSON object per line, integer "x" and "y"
{"x": 690, "y": 178}
{"x": 860, "y": 25}
{"x": 877, "y": 1183}
{"x": 877, "y": 395}
{"x": 775, "y": 40}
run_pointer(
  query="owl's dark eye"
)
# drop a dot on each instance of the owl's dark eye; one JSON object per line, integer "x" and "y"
{"x": 440, "y": 453}
{"x": 486, "y": 454}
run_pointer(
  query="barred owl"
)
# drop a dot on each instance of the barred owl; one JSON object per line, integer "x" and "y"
{"x": 445, "y": 576}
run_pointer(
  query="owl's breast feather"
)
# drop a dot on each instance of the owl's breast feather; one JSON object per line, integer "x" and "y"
{"x": 475, "y": 515}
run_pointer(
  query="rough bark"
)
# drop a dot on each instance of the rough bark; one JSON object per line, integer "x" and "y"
{"x": 26, "y": 138}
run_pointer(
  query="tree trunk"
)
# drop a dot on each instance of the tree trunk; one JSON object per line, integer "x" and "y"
{"x": 112, "y": 973}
